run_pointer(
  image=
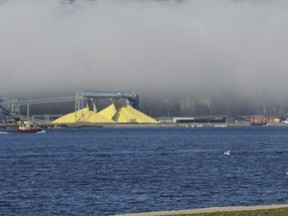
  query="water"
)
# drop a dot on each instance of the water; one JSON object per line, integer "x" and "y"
{"x": 101, "y": 171}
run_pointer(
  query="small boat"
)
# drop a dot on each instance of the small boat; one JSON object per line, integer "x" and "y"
{"x": 27, "y": 128}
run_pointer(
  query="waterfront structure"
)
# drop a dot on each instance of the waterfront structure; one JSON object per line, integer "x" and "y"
{"x": 12, "y": 108}
{"x": 258, "y": 120}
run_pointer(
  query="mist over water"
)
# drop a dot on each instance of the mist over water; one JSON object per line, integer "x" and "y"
{"x": 238, "y": 48}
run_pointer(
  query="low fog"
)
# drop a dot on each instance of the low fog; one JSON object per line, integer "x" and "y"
{"x": 206, "y": 47}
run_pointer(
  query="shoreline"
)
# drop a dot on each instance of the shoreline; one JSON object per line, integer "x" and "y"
{"x": 145, "y": 125}
{"x": 162, "y": 125}
{"x": 206, "y": 210}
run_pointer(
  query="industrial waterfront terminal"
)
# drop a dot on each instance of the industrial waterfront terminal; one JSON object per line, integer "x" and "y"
{"x": 122, "y": 110}
{"x": 85, "y": 111}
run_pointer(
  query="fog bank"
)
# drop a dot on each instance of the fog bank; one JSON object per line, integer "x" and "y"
{"x": 198, "y": 46}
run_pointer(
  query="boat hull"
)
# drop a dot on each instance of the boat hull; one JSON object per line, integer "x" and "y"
{"x": 32, "y": 130}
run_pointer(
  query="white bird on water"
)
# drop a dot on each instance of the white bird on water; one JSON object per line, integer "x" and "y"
{"x": 227, "y": 152}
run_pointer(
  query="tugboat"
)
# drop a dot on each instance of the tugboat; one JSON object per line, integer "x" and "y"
{"x": 26, "y": 127}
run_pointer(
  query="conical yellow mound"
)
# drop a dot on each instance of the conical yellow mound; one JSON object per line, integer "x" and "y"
{"x": 82, "y": 116}
{"x": 126, "y": 114}
{"x": 137, "y": 115}
{"x": 108, "y": 112}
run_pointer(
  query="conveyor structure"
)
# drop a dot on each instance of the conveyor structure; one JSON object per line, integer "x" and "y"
{"x": 11, "y": 108}
{"x": 82, "y": 96}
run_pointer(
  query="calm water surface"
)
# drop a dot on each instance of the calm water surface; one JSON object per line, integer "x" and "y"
{"x": 92, "y": 171}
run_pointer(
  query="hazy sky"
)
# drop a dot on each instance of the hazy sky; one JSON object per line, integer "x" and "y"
{"x": 196, "y": 46}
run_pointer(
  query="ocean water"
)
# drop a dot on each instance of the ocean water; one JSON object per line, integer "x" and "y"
{"x": 105, "y": 171}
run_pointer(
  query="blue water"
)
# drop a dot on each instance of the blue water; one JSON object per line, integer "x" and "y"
{"x": 102, "y": 171}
